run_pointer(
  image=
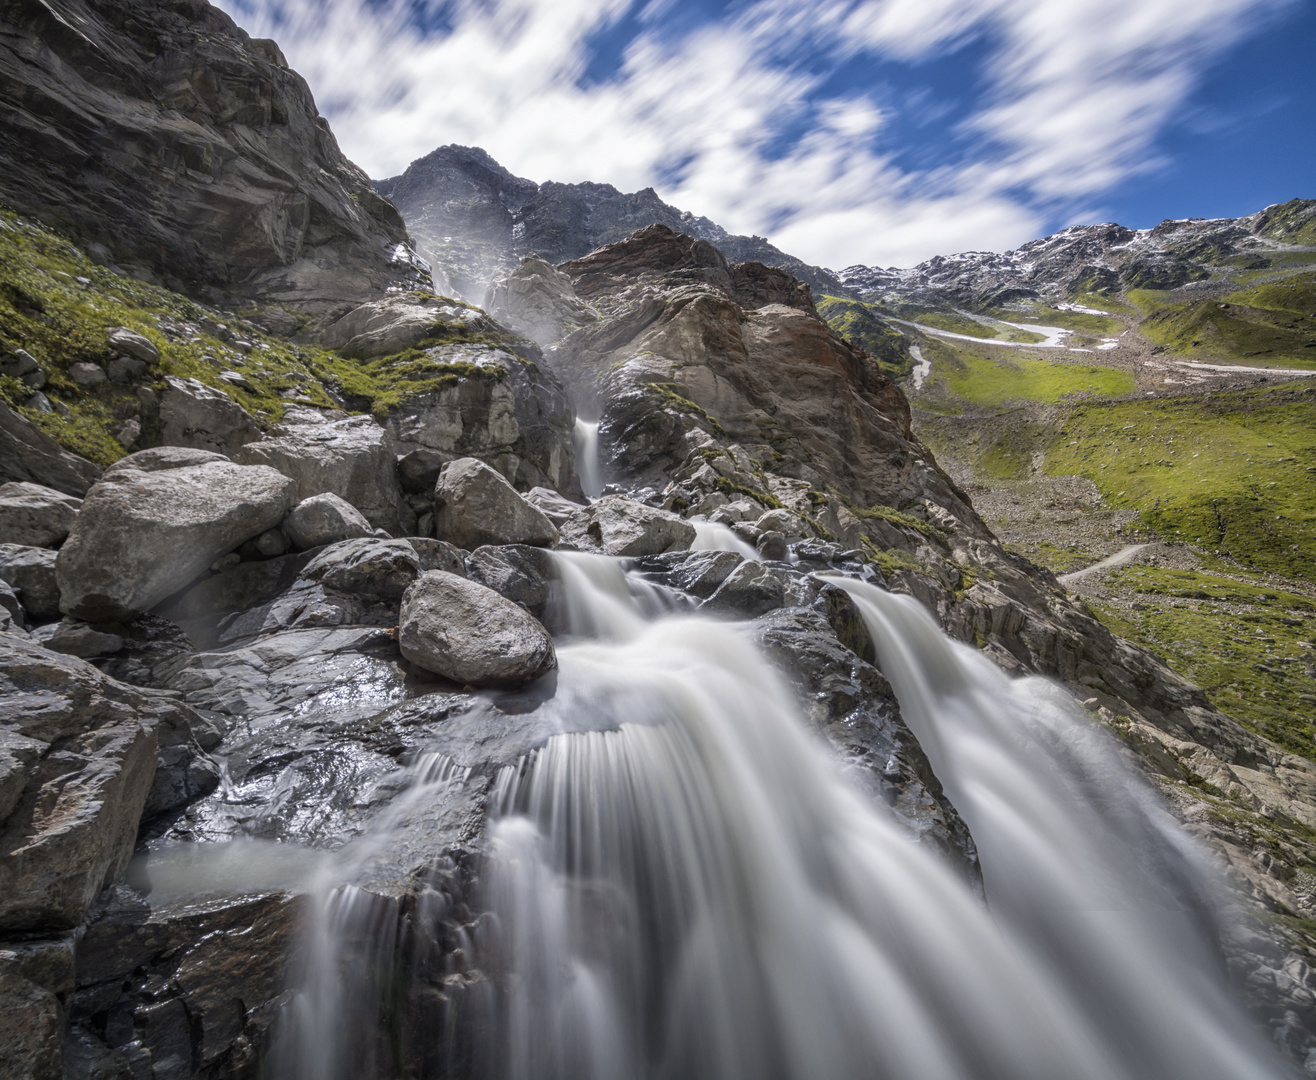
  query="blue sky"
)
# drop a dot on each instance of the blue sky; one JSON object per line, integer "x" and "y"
{"x": 847, "y": 131}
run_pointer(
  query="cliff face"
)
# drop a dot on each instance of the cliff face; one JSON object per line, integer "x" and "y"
{"x": 165, "y": 140}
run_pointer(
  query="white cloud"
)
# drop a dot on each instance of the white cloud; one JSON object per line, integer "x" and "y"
{"x": 1077, "y": 91}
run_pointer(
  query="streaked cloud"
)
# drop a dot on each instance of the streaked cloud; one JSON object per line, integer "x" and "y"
{"x": 744, "y": 118}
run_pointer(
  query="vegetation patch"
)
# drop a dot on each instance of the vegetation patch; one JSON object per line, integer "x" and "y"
{"x": 1059, "y": 560}
{"x": 1248, "y": 644}
{"x": 730, "y": 488}
{"x": 997, "y": 381}
{"x": 860, "y": 325}
{"x": 1234, "y": 471}
{"x": 674, "y": 399}
{"x": 893, "y": 516}
{"x": 1082, "y": 321}
{"x": 1230, "y": 330}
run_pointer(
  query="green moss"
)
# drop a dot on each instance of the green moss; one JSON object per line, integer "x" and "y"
{"x": 674, "y": 399}
{"x": 889, "y": 514}
{"x": 1232, "y": 471}
{"x": 1248, "y": 644}
{"x": 1055, "y": 558}
{"x": 730, "y": 488}
{"x": 889, "y": 560}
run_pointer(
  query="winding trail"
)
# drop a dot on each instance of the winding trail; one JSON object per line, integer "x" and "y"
{"x": 1124, "y": 555}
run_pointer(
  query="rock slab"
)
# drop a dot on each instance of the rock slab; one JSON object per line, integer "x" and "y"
{"x": 476, "y": 506}
{"x": 616, "y": 525}
{"x": 468, "y": 633}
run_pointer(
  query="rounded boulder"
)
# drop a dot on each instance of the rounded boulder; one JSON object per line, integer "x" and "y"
{"x": 466, "y": 632}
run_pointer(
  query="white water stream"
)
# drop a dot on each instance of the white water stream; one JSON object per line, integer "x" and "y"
{"x": 683, "y": 885}
{"x": 585, "y": 438}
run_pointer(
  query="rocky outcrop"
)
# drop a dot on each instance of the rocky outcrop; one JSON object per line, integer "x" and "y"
{"x": 354, "y": 459}
{"x": 537, "y": 300}
{"x": 34, "y": 515}
{"x": 476, "y": 506}
{"x": 164, "y": 138}
{"x": 198, "y": 416}
{"x": 466, "y": 632}
{"x": 400, "y": 322}
{"x": 28, "y": 454}
{"x": 381, "y": 569}
{"x": 157, "y": 520}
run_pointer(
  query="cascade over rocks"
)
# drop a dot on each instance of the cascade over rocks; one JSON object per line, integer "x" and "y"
{"x": 468, "y": 633}
{"x": 354, "y": 459}
{"x": 34, "y": 515}
{"x": 476, "y": 506}
{"x": 155, "y": 521}
{"x": 616, "y": 525}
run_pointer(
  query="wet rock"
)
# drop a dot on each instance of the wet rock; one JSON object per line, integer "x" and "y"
{"x": 11, "y": 605}
{"x": 195, "y": 415}
{"x": 77, "y": 639}
{"x": 698, "y": 573}
{"x": 754, "y": 588}
{"x": 31, "y": 572}
{"x": 36, "y": 983}
{"x": 475, "y": 505}
{"x": 772, "y": 546}
{"x": 520, "y": 573}
{"x": 135, "y": 345}
{"x": 557, "y": 508}
{"x": 438, "y": 555}
{"x": 616, "y": 525}
{"x": 77, "y": 763}
{"x": 471, "y": 635}
{"x": 34, "y": 515}
{"x": 324, "y": 519}
{"x": 354, "y": 459}
{"x": 28, "y": 453}
{"x": 156, "y": 521}
{"x": 370, "y": 567}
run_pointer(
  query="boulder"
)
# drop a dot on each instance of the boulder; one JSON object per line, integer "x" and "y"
{"x": 134, "y": 345}
{"x": 475, "y": 506}
{"x": 698, "y": 573}
{"x": 772, "y": 546}
{"x": 520, "y": 573}
{"x": 438, "y": 555}
{"x": 156, "y": 521}
{"x": 77, "y": 639}
{"x": 354, "y": 459}
{"x": 11, "y": 606}
{"x": 195, "y": 415}
{"x": 87, "y": 376}
{"x": 268, "y": 545}
{"x": 753, "y": 589}
{"x": 77, "y": 759}
{"x": 399, "y": 322}
{"x": 557, "y": 508}
{"x": 380, "y": 569}
{"x": 31, "y": 572}
{"x": 35, "y": 515}
{"x": 28, "y": 453}
{"x": 616, "y": 525}
{"x": 418, "y": 471}
{"x": 324, "y": 519}
{"x": 468, "y": 633}
{"x": 36, "y": 982}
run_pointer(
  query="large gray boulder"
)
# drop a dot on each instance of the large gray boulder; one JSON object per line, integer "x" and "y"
{"x": 77, "y": 759}
{"x": 616, "y": 525}
{"x": 155, "y": 521}
{"x": 196, "y": 415}
{"x": 31, "y": 572}
{"x": 398, "y": 322}
{"x": 522, "y": 574}
{"x": 469, "y": 634}
{"x": 475, "y": 506}
{"x": 35, "y": 515}
{"x": 324, "y": 519}
{"x": 354, "y": 459}
{"x": 378, "y": 569}
{"x": 28, "y": 453}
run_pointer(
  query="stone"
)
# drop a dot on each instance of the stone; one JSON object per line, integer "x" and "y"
{"x": 199, "y": 416}
{"x": 11, "y": 605}
{"x": 34, "y": 515}
{"x": 616, "y": 525}
{"x": 520, "y": 573}
{"x": 475, "y": 505}
{"x": 124, "y": 370}
{"x": 739, "y": 510}
{"x": 137, "y": 346}
{"x": 155, "y": 522}
{"x": 323, "y": 519}
{"x": 537, "y": 300}
{"x": 87, "y": 376}
{"x": 381, "y": 569}
{"x": 36, "y": 982}
{"x": 268, "y": 545}
{"x": 77, "y": 639}
{"x": 354, "y": 459}
{"x": 557, "y": 508}
{"x": 418, "y": 470}
{"x": 40, "y": 403}
{"x": 77, "y": 759}
{"x": 772, "y": 546}
{"x": 438, "y": 555}
{"x": 18, "y": 363}
{"x": 398, "y": 322}
{"x": 466, "y": 632}
{"x": 31, "y": 572}
{"x": 28, "y": 453}
{"x": 698, "y": 573}
{"x": 128, "y": 434}
{"x": 751, "y": 589}
{"x": 782, "y": 521}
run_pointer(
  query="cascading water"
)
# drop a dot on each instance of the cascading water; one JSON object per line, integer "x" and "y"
{"x": 713, "y": 536}
{"x": 585, "y": 438}
{"x": 681, "y": 883}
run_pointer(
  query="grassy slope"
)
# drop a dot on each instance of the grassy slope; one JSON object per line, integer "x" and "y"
{"x": 57, "y": 305}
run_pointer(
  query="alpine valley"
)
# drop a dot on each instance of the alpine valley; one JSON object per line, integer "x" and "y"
{"x": 460, "y": 626}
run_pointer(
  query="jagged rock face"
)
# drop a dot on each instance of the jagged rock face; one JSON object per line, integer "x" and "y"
{"x": 475, "y": 220}
{"x": 163, "y": 137}
{"x": 537, "y": 300}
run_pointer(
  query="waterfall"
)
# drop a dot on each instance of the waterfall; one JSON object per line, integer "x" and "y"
{"x": 585, "y": 438}
{"x": 713, "y": 536}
